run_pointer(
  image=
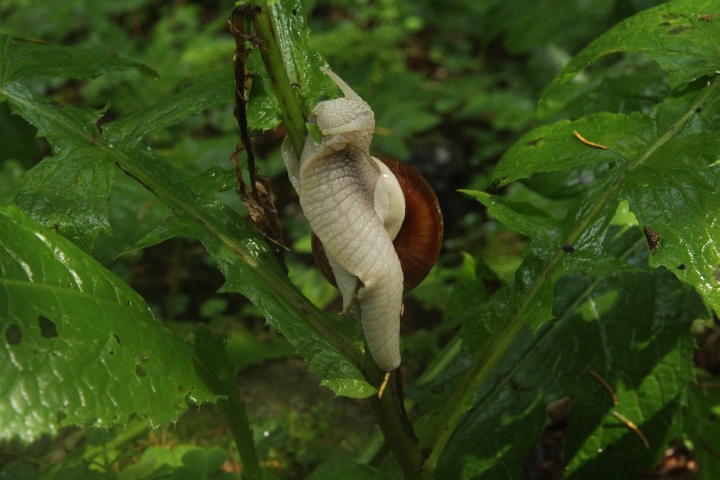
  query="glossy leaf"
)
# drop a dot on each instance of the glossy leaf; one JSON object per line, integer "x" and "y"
{"x": 69, "y": 191}
{"x": 79, "y": 346}
{"x": 682, "y": 36}
{"x": 302, "y": 60}
{"x": 214, "y": 89}
{"x": 663, "y": 164}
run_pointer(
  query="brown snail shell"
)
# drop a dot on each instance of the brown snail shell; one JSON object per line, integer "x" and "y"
{"x": 419, "y": 240}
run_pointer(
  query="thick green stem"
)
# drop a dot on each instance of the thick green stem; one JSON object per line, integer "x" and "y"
{"x": 393, "y": 423}
{"x": 234, "y": 409}
{"x": 493, "y": 349}
{"x": 275, "y": 66}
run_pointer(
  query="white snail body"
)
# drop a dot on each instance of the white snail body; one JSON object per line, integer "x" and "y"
{"x": 356, "y": 207}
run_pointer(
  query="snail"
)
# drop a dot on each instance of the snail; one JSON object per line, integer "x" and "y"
{"x": 376, "y": 222}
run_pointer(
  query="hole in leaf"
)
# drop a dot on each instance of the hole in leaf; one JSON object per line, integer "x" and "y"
{"x": 13, "y": 335}
{"x": 140, "y": 371}
{"x": 111, "y": 352}
{"x": 117, "y": 338}
{"x": 48, "y": 329}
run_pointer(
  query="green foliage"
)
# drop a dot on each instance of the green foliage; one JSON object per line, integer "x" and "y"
{"x": 557, "y": 298}
{"x": 185, "y": 462}
{"x": 663, "y": 164}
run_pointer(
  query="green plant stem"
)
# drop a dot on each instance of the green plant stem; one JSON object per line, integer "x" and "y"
{"x": 439, "y": 364}
{"x": 443, "y": 359}
{"x": 393, "y": 423}
{"x": 131, "y": 431}
{"x": 492, "y": 350}
{"x": 272, "y": 57}
{"x": 234, "y": 409}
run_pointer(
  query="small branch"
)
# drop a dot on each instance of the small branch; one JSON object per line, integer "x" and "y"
{"x": 243, "y": 82}
{"x": 260, "y": 200}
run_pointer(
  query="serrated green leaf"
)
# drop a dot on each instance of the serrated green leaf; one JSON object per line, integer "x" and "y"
{"x": 663, "y": 163}
{"x": 133, "y": 213}
{"x": 555, "y": 146}
{"x": 79, "y": 346}
{"x": 546, "y": 261}
{"x": 28, "y": 58}
{"x": 209, "y": 91}
{"x": 633, "y": 84}
{"x": 302, "y": 60}
{"x": 682, "y": 36}
{"x": 632, "y": 329}
{"x": 521, "y": 217}
{"x": 680, "y": 140}
{"x": 76, "y": 204}
{"x": 68, "y": 191}
{"x": 63, "y": 125}
{"x": 302, "y": 64}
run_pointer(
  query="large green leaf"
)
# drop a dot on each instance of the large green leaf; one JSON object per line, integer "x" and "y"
{"x": 682, "y": 36}
{"x": 79, "y": 346}
{"x": 68, "y": 191}
{"x": 214, "y": 89}
{"x": 302, "y": 60}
